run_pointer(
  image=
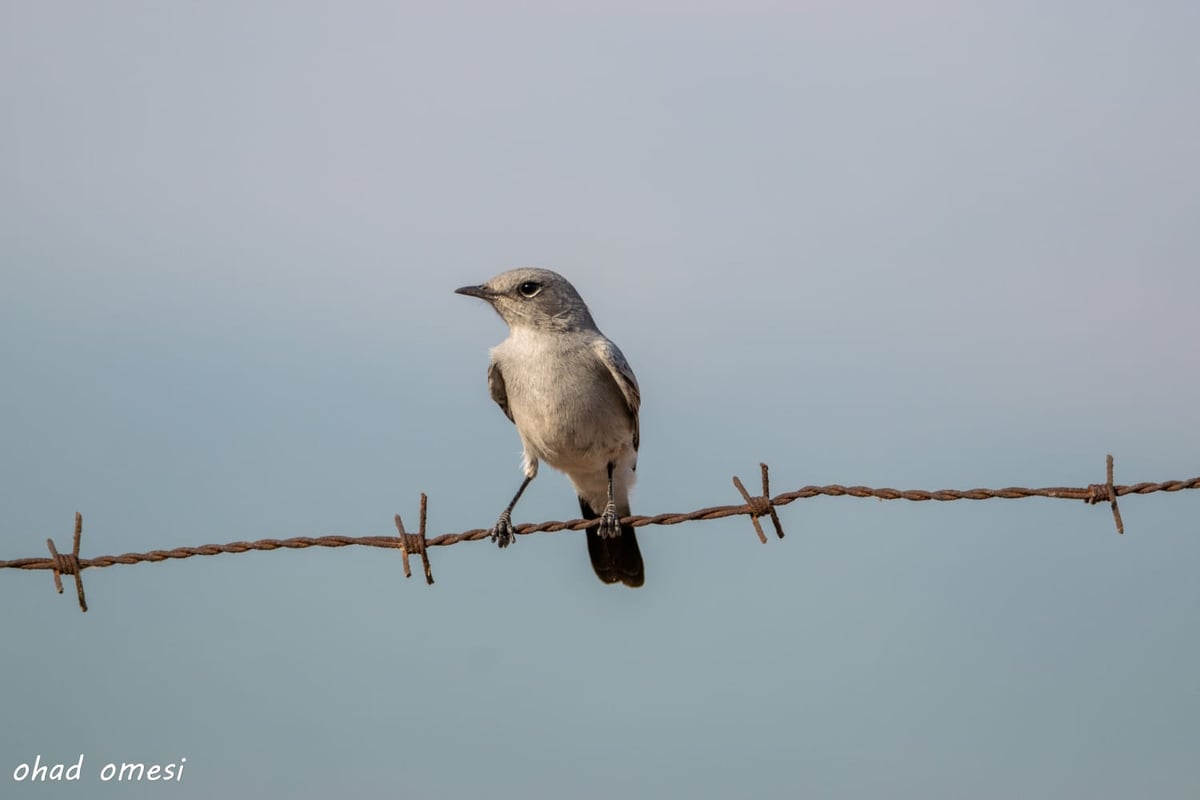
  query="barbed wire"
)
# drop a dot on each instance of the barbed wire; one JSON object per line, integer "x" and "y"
{"x": 755, "y": 506}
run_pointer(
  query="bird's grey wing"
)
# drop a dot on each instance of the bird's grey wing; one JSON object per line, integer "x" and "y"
{"x": 612, "y": 358}
{"x": 498, "y": 390}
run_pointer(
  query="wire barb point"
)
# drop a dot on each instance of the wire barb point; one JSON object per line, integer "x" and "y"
{"x": 68, "y": 563}
{"x": 1100, "y": 492}
{"x": 761, "y": 505}
{"x": 415, "y": 543}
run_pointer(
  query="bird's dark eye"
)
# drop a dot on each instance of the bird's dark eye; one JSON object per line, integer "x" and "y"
{"x": 529, "y": 288}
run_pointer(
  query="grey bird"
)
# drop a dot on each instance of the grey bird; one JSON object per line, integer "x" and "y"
{"x": 574, "y": 400}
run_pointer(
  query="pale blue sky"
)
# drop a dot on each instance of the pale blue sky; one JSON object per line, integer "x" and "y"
{"x": 925, "y": 245}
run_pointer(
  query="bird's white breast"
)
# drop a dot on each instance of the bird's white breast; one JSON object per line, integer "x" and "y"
{"x": 566, "y": 406}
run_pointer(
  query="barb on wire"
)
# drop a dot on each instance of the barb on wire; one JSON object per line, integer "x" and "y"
{"x": 760, "y": 505}
{"x": 69, "y": 564}
{"x": 754, "y": 507}
{"x": 416, "y": 544}
{"x": 1106, "y": 491}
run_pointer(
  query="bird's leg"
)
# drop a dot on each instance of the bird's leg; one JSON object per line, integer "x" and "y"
{"x": 502, "y": 532}
{"x": 609, "y": 525}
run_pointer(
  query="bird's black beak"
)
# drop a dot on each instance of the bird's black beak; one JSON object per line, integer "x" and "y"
{"x": 481, "y": 292}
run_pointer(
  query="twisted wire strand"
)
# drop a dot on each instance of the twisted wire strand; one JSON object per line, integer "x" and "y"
{"x": 757, "y": 507}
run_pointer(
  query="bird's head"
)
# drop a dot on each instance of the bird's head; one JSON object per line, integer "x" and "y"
{"x": 534, "y": 298}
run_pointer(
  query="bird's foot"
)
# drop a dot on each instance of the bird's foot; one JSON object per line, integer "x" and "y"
{"x": 610, "y": 525}
{"x": 502, "y": 531}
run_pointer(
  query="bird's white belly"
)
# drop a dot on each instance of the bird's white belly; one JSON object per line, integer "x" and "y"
{"x": 574, "y": 416}
{"x": 573, "y": 431}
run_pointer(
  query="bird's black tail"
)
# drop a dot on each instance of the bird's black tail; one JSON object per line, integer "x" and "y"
{"x": 615, "y": 558}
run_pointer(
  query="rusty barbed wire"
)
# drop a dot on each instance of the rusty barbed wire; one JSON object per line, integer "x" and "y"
{"x": 756, "y": 506}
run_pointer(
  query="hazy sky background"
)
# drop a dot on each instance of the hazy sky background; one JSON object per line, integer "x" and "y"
{"x": 923, "y": 245}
